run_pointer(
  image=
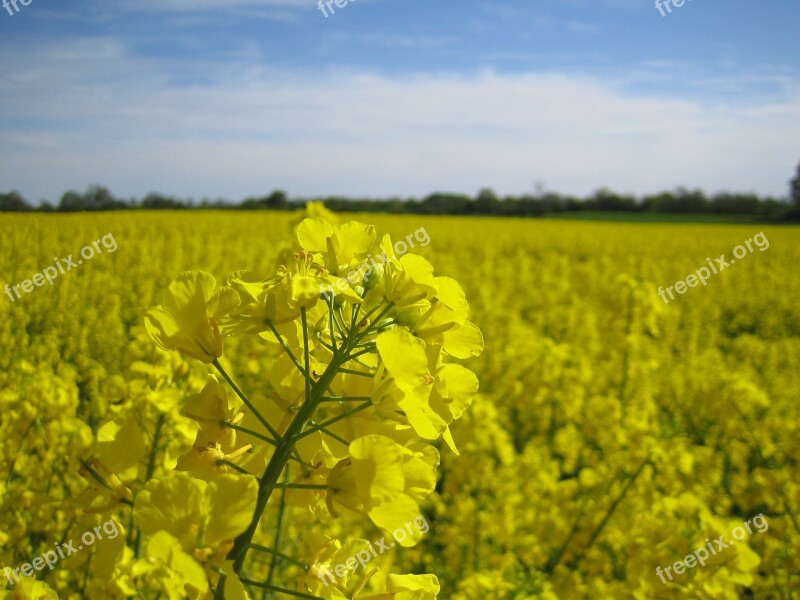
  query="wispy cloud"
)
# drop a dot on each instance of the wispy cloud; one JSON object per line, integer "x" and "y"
{"x": 93, "y": 113}
{"x": 200, "y": 5}
{"x": 232, "y": 97}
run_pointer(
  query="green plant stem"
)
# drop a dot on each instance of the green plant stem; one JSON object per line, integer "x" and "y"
{"x": 285, "y": 557}
{"x": 151, "y": 467}
{"x": 286, "y": 348}
{"x": 609, "y": 513}
{"x": 279, "y": 524}
{"x": 344, "y": 398}
{"x": 377, "y": 319}
{"x": 233, "y": 466}
{"x": 103, "y": 482}
{"x": 354, "y": 372}
{"x": 335, "y": 419}
{"x": 306, "y": 353}
{"x": 373, "y": 309}
{"x": 255, "y": 434}
{"x": 151, "y": 462}
{"x": 333, "y": 436}
{"x": 282, "y": 452}
{"x": 261, "y": 584}
{"x": 356, "y": 308}
{"x": 330, "y": 323}
{"x": 286, "y": 445}
{"x": 245, "y": 399}
{"x": 340, "y": 323}
{"x": 19, "y": 447}
{"x": 302, "y": 486}
{"x": 364, "y": 351}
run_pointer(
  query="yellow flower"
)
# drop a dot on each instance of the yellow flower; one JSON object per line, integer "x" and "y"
{"x": 28, "y": 588}
{"x": 407, "y": 587}
{"x": 383, "y": 480}
{"x": 198, "y": 514}
{"x": 408, "y": 280}
{"x": 444, "y": 321}
{"x": 209, "y": 408}
{"x": 343, "y": 246}
{"x": 166, "y": 549}
{"x": 189, "y": 319}
{"x": 404, "y": 380}
{"x": 276, "y": 302}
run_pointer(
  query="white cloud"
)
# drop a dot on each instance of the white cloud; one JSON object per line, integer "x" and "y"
{"x": 103, "y": 116}
{"x": 200, "y": 5}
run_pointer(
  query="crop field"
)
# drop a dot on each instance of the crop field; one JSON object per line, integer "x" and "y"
{"x": 614, "y": 414}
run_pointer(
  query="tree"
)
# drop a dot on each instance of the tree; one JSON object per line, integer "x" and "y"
{"x": 96, "y": 197}
{"x": 13, "y": 202}
{"x": 605, "y": 199}
{"x": 277, "y": 200}
{"x": 99, "y": 198}
{"x": 794, "y": 192}
{"x": 72, "y": 201}
{"x": 440, "y": 203}
{"x": 155, "y": 201}
{"x": 487, "y": 203}
{"x": 726, "y": 203}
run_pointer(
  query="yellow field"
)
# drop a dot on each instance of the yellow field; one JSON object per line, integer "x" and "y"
{"x": 613, "y": 434}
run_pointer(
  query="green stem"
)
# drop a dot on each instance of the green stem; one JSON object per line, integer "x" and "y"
{"x": 332, "y": 435}
{"x": 245, "y": 399}
{"x": 335, "y": 419}
{"x": 353, "y": 372}
{"x": 556, "y": 558}
{"x": 286, "y": 348}
{"x": 306, "y": 353}
{"x": 261, "y": 584}
{"x": 330, "y": 323}
{"x": 296, "y": 455}
{"x": 340, "y": 323}
{"x": 151, "y": 463}
{"x": 377, "y": 319}
{"x": 19, "y": 447}
{"x": 102, "y": 482}
{"x": 283, "y": 451}
{"x": 233, "y": 466}
{"x": 219, "y": 593}
{"x": 151, "y": 467}
{"x": 609, "y": 513}
{"x": 345, "y": 398}
{"x": 285, "y": 557}
{"x": 260, "y": 436}
{"x": 372, "y": 310}
{"x": 279, "y": 524}
{"x": 364, "y": 351}
{"x": 303, "y": 486}
{"x": 354, "y": 312}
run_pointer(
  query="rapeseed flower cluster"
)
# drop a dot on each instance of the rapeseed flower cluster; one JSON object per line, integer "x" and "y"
{"x": 357, "y": 388}
{"x": 612, "y": 435}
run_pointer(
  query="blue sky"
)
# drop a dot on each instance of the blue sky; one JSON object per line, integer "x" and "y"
{"x": 230, "y": 98}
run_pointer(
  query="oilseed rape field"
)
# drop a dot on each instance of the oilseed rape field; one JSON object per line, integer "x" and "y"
{"x": 210, "y": 405}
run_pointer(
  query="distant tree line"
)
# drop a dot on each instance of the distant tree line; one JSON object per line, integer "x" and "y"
{"x": 540, "y": 204}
